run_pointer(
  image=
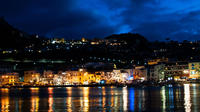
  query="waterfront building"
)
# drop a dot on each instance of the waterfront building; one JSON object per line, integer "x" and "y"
{"x": 31, "y": 77}
{"x": 156, "y": 72}
{"x": 117, "y": 76}
{"x": 84, "y": 77}
{"x": 58, "y": 79}
{"x": 9, "y": 78}
{"x": 194, "y": 70}
{"x": 127, "y": 75}
{"x": 90, "y": 77}
{"x": 176, "y": 71}
{"x": 47, "y": 77}
{"x": 100, "y": 75}
{"x": 140, "y": 73}
{"x": 74, "y": 77}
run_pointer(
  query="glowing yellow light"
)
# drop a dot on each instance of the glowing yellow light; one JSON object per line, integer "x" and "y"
{"x": 185, "y": 71}
{"x": 34, "y": 99}
{"x": 5, "y": 90}
{"x": 86, "y": 99}
{"x": 112, "y": 96}
{"x": 69, "y": 99}
{"x": 5, "y": 104}
{"x": 50, "y": 90}
{"x": 69, "y": 91}
{"x": 104, "y": 98}
{"x": 80, "y": 70}
{"x": 34, "y": 89}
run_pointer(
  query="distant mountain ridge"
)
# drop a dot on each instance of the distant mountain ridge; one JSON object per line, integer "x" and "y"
{"x": 11, "y": 37}
{"x": 127, "y": 37}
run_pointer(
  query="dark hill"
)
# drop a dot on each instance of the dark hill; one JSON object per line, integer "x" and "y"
{"x": 11, "y": 37}
{"x": 128, "y": 37}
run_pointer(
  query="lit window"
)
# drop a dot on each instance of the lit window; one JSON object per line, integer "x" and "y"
{"x": 192, "y": 72}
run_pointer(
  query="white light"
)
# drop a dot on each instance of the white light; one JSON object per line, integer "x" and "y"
{"x": 142, "y": 78}
{"x": 80, "y": 70}
{"x": 185, "y": 71}
{"x": 85, "y": 83}
{"x": 53, "y": 42}
{"x": 63, "y": 73}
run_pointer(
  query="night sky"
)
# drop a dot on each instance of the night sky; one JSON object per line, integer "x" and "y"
{"x": 73, "y": 19}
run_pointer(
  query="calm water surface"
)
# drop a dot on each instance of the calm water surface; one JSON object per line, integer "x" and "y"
{"x": 96, "y": 99}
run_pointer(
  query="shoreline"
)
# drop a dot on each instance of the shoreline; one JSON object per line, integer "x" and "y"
{"x": 106, "y": 85}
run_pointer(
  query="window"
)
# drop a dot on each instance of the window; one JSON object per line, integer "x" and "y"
{"x": 192, "y": 72}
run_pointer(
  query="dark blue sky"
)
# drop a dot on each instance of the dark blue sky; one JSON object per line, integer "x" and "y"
{"x": 154, "y": 19}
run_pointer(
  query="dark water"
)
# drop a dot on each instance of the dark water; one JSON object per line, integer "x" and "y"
{"x": 108, "y": 99}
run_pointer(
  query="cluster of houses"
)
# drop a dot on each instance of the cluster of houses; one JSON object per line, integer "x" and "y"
{"x": 77, "y": 77}
{"x": 156, "y": 71}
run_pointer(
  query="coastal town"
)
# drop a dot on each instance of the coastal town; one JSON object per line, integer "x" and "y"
{"x": 119, "y": 59}
{"x": 99, "y": 56}
{"x": 157, "y": 71}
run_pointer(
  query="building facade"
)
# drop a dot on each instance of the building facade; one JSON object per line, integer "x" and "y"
{"x": 31, "y": 77}
{"x": 194, "y": 70}
{"x": 9, "y": 78}
{"x": 176, "y": 71}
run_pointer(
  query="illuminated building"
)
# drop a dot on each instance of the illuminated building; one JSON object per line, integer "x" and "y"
{"x": 140, "y": 73}
{"x": 99, "y": 76}
{"x": 74, "y": 77}
{"x": 31, "y": 77}
{"x": 117, "y": 76}
{"x": 9, "y": 78}
{"x": 58, "y": 79}
{"x": 176, "y": 71}
{"x": 48, "y": 77}
{"x": 83, "y": 77}
{"x": 194, "y": 70}
{"x": 156, "y": 72}
{"x": 89, "y": 77}
{"x": 127, "y": 74}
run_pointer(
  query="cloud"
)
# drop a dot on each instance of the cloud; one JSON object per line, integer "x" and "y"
{"x": 155, "y": 19}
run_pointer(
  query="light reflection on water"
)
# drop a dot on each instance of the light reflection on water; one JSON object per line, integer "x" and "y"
{"x": 163, "y": 99}
{"x": 50, "y": 99}
{"x": 69, "y": 99}
{"x": 103, "y": 99}
{"x": 34, "y": 99}
{"x": 85, "y": 99}
{"x": 5, "y": 100}
{"x": 187, "y": 98}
